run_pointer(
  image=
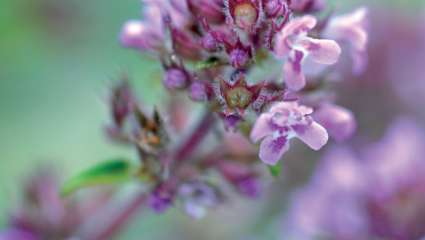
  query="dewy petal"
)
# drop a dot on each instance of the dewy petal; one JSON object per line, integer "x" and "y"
{"x": 272, "y": 149}
{"x": 322, "y": 51}
{"x": 294, "y": 77}
{"x": 338, "y": 121}
{"x": 314, "y": 135}
{"x": 261, "y": 127}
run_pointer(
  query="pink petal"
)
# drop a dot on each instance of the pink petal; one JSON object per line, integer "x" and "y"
{"x": 295, "y": 27}
{"x": 338, "y": 121}
{"x": 351, "y": 29}
{"x": 295, "y": 79}
{"x": 272, "y": 149}
{"x": 322, "y": 51}
{"x": 314, "y": 135}
{"x": 261, "y": 127}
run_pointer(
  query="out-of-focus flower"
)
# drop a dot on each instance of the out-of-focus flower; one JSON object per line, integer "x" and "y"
{"x": 44, "y": 214}
{"x": 338, "y": 121}
{"x": 147, "y": 34}
{"x": 198, "y": 197}
{"x": 293, "y": 44}
{"x": 284, "y": 121}
{"x": 351, "y": 29}
{"x": 377, "y": 194}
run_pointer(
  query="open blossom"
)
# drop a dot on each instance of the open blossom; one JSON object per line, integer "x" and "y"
{"x": 284, "y": 121}
{"x": 351, "y": 29}
{"x": 296, "y": 47}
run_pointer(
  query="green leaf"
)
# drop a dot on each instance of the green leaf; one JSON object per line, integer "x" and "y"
{"x": 275, "y": 170}
{"x": 109, "y": 172}
{"x": 209, "y": 63}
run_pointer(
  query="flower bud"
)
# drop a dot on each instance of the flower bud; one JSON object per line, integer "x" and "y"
{"x": 135, "y": 34}
{"x": 199, "y": 91}
{"x": 210, "y": 43}
{"x": 239, "y": 58}
{"x": 274, "y": 8}
{"x": 176, "y": 78}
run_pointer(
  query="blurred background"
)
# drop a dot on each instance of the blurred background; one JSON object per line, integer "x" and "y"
{"x": 59, "y": 57}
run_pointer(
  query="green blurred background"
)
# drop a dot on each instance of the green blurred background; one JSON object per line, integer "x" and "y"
{"x": 57, "y": 60}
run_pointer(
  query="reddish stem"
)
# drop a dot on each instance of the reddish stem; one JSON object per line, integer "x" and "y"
{"x": 183, "y": 152}
{"x": 198, "y": 134}
{"x": 122, "y": 219}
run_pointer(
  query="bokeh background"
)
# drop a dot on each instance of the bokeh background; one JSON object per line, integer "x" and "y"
{"x": 59, "y": 57}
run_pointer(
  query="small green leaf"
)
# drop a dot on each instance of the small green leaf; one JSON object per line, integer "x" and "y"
{"x": 209, "y": 63}
{"x": 109, "y": 172}
{"x": 275, "y": 170}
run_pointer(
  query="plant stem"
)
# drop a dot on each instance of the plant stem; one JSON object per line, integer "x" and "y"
{"x": 198, "y": 134}
{"x": 122, "y": 219}
{"x": 182, "y": 153}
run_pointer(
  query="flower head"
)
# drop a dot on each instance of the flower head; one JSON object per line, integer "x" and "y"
{"x": 297, "y": 47}
{"x": 284, "y": 121}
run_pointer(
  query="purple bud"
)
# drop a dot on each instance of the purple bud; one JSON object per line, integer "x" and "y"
{"x": 161, "y": 199}
{"x": 199, "y": 91}
{"x": 176, "y": 78}
{"x": 136, "y": 34}
{"x": 249, "y": 187}
{"x": 275, "y": 8}
{"x": 239, "y": 58}
{"x": 210, "y": 43}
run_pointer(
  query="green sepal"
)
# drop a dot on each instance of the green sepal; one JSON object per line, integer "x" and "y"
{"x": 275, "y": 170}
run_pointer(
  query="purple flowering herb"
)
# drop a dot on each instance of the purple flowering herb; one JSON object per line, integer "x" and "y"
{"x": 211, "y": 51}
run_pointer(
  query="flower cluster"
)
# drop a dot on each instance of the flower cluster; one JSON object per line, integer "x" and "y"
{"x": 212, "y": 51}
{"x": 377, "y": 193}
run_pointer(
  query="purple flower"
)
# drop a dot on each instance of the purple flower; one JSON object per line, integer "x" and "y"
{"x": 286, "y": 120}
{"x": 296, "y": 47}
{"x": 161, "y": 198}
{"x": 378, "y": 194}
{"x": 338, "y": 121}
{"x": 147, "y": 34}
{"x": 176, "y": 78}
{"x": 198, "y": 197}
{"x": 351, "y": 29}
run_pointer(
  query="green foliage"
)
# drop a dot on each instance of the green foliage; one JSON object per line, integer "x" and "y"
{"x": 109, "y": 172}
